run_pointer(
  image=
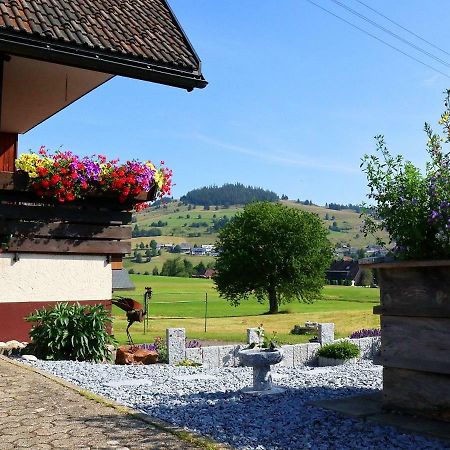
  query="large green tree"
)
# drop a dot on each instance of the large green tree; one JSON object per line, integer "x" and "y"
{"x": 275, "y": 252}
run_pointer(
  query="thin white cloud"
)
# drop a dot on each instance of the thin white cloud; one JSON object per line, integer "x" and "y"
{"x": 284, "y": 158}
{"x": 433, "y": 80}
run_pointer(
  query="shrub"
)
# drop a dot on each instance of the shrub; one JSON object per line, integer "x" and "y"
{"x": 71, "y": 332}
{"x": 372, "y": 332}
{"x": 131, "y": 271}
{"x": 411, "y": 204}
{"x": 188, "y": 363}
{"x": 339, "y": 350}
{"x": 161, "y": 347}
{"x": 193, "y": 344}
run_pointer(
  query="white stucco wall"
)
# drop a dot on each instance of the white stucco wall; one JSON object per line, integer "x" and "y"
{"x": 54, "y": 278}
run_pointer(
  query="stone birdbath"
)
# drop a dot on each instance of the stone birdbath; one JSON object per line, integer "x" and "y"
{"x": 261, "y": 360}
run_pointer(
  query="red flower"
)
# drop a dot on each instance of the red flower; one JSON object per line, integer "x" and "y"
{"x": 55, "y": 179}
{"x": 45, "y": 184}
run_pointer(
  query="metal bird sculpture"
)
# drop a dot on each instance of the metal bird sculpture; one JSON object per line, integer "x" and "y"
{"x": 135, "y": 311}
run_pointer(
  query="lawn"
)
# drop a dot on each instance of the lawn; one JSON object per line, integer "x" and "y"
{"x": 180, "y": 302}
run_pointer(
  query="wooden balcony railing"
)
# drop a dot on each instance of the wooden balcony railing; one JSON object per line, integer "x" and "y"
{"x": 98, "y": 224}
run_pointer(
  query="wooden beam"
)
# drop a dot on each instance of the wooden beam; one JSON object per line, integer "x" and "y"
{"x": 64, "y": 214}
{"x": 77, "y": 246}
{"x": 65, "y": 230}
{"x": 420, "y": 393}
{"x": 416, "y": 311}
{"x": 415, "y": 343}
{"x": 116, "y": 262}
{"x": 8, "y": 151}
{"x": 415, "y": 288}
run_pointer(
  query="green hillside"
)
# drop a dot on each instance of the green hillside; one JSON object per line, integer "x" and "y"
{"x": 194, "y": 225}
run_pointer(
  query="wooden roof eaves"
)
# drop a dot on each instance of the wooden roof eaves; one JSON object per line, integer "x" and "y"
{"x": 60, "y": 52}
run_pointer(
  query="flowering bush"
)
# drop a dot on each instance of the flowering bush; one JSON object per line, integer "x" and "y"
{"x": 193, "y": 344}
{"x": 65, "y": 177}
{"x": 371, "y": 332}
{"x": 160, "y": 346}
{"x": 411, "y": 205}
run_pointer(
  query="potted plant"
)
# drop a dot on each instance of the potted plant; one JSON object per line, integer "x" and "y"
{"x": 338, "y": 353}
{"x": 413, "y": 206}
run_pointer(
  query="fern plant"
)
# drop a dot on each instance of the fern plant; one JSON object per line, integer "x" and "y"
{"x": 71, "y": 332}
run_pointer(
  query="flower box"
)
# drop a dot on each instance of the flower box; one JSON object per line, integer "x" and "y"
{"x": 15, "y": 186}
{"x": 415, "y": 336}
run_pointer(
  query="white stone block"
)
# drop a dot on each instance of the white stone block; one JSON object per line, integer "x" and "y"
{"x": 325, "y": 333}
{"x": 194, "y": 355}
{"x": 237, "y": 349}
{"x": 210, "y": 357}
{"x": 176, "y": 344}
{"x": 253, "y": 336}
{"x": 288, "y": 359}
{"x": 300, "y": 355}
{"x": 312, "y": 349}
{"x": 226, "y": 356}
{"x": 365, "y": 346}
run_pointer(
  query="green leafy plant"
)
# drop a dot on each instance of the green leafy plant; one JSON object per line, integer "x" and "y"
{"x": 188, "y": 363}
{"x": 265, "y": 342}
{"x": 413, "y": 206}
{"x": 71, "y": 332}
{"x": 161, "y": 347}
{"x": 339, "y": 350}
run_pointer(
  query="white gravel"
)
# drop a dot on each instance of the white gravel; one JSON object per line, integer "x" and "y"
{"x": 209, "y": 402}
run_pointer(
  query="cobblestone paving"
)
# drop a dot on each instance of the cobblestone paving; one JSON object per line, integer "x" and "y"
{"x": 38, "y": 413}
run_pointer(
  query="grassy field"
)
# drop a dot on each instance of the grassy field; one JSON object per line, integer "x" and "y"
{"x": 179, "y": 220}
{"x": 180, "y": 302}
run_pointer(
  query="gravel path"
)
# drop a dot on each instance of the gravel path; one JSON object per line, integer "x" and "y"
{"x": 209, "y": 402}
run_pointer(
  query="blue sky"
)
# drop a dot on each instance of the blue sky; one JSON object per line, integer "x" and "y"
{"x": 294, "y": 99}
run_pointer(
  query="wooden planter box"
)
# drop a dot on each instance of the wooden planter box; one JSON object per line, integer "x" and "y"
{"x": 415, "y": 336}
{"x": 96, "y": 225}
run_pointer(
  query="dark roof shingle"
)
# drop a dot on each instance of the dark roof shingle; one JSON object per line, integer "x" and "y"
{"x": 142, "y": 30}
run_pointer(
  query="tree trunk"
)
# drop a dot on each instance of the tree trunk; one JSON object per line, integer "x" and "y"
{"x": 273, "y": 301}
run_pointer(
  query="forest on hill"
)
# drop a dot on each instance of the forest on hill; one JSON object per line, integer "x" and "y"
{"x": 228, "y": 194}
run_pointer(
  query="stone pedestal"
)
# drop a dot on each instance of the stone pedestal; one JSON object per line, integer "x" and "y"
{"x": 261, "y": 360}
{"x": 262, "y": 378}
